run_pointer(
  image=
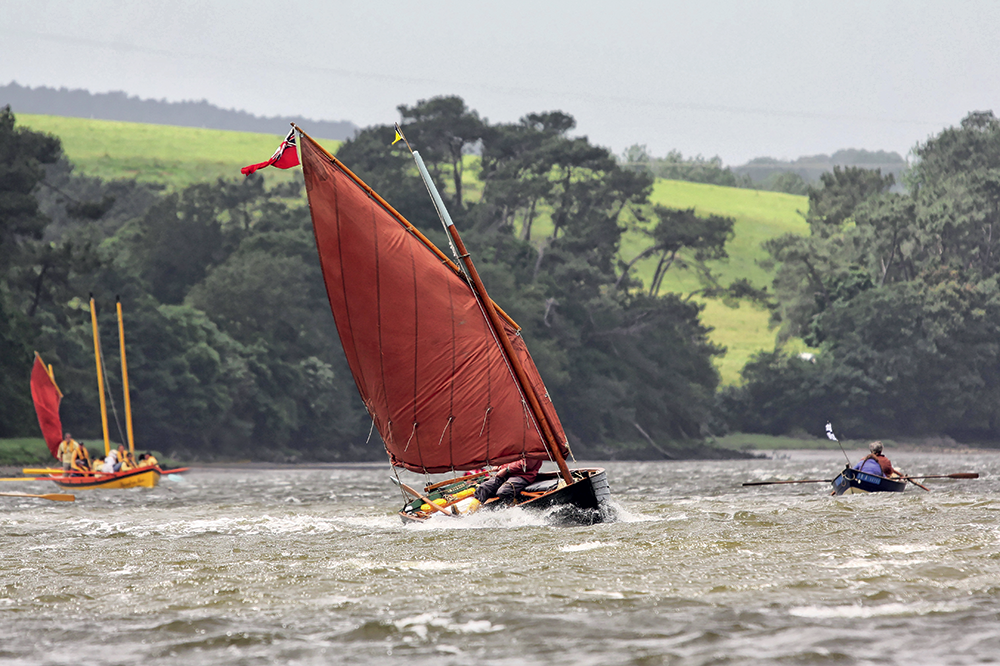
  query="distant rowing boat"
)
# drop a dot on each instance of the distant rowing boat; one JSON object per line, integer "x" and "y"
{"x": 852, "y": 481}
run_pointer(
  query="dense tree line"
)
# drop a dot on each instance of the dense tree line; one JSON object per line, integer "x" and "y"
{"x": 232, "y": 347}
{"x": 899, "y": 291}
{"x": 674, "y": 166}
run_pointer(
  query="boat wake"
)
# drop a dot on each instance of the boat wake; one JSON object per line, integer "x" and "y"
{"x": 485, "y": 519}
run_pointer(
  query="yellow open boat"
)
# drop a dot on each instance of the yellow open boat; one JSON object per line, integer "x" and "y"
{"x": 141, "y": 477}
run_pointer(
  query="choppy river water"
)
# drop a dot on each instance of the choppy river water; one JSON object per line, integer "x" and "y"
{"x": 311, "y": 566}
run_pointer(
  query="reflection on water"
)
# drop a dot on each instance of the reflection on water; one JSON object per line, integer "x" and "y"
{"x": 311, "y": 566}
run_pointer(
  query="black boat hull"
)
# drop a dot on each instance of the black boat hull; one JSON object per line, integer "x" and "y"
{"x": 584, "y": 502}
{"x": 851, "y": 481}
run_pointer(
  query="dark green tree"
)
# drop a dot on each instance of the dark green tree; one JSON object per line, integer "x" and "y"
{"x": 445, "y": 130}
{"x": 22, "y": 156}
{"x": 703, "y": 239}
{"x": 899, "y": 291}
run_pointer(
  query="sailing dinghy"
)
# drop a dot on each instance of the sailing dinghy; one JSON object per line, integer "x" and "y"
{"x": 443, "y": 372}
{"x": 46, "y": 395}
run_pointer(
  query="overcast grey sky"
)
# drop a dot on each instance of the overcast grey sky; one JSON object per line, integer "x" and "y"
{"x": 734, "y": 79}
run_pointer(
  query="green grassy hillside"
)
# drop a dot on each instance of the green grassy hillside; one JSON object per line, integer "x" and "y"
{"x": 177, "y": 156}
{"x": 759, "y": 216}
{"x": 180, "y": 156}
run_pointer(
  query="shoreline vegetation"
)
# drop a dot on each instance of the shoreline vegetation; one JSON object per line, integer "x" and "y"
{"x": 176, "y": 157}
{"x": 875, "y": 335}
{"x": 26, "y": 451}
{"x": 29, "y": 451}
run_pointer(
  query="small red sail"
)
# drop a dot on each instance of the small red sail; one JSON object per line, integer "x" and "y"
{"x": 433, "y": 378}
{"x": 46, "y": 396}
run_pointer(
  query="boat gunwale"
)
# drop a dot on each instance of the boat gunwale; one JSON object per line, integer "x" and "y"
{"x": 98, "y": 479}
{"x": 540, "y": 501}
{"x": 854, "y": 483}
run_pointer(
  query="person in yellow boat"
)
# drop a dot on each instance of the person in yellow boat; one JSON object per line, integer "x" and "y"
{"x": 111, "y": 462}
{"x": 125, "y": 460}
{"x": 147, "y": 459}
{"x": 67, "y": 451}
{"x": 81, "y": 460}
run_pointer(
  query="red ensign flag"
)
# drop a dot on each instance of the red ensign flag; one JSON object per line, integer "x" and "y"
{"x": 285, "y": 157}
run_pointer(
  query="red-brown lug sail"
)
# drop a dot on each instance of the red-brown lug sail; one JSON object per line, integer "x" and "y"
{"x": 46, "y": 396}
{"x": 433, "y": 378}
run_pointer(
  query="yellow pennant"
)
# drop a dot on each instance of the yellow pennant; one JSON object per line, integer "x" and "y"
{"x": 399, "y": 137}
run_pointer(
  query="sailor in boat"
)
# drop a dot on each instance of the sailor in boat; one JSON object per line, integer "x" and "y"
{"x": 147, "y": 459}
{"x": 81, "y": 459}
{"x": 67, "y": 451}
{"x": 876, "y": 463}
{"x": 125, "y": 460}
{"x": 506, "y": 483}
{"x": 111, "y": 462}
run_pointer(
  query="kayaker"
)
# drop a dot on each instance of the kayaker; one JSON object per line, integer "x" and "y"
{"x": 876, "y": 463}
{"x": 67, "y": 451}
{"x": 506, "y": 482}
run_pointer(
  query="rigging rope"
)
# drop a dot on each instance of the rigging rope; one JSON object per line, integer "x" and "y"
{"x": 395, "y": 471}
{"x": 107, "y": 389}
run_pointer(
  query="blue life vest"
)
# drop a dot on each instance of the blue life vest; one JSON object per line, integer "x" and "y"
{"x": 869, "y": 466}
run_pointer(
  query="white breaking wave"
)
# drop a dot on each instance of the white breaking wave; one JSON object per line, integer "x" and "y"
{"x": 855, "y": 611}
{"x": 589, "y": 545}
{"x": 421, "y": 625}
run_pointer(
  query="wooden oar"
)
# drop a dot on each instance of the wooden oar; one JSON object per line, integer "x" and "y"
{"x": 58, "y": 472}
{"x": 957, "y": 475}
{"x": 424, "y": 499}
{"x": 22, "y": 478}
{"x": 55, "y": 497}
{"x": 774, "y": 483}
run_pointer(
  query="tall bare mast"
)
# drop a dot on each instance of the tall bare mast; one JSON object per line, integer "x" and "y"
{"x": 100, "y": 376}
{"x": 128, "y": 401}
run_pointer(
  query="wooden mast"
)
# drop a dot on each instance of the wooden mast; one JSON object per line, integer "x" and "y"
{"x": 100, "y": 376}
{"x": 50, "y": 372}
{"x": 128, "y": 402}
{"x": 527, "y": 390}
